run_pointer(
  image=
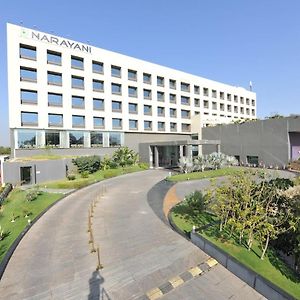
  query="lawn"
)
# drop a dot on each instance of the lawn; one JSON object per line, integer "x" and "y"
{"x": 272, "y": 268}
{"x": 80, "y": 182}
{"x": 206, "y": 174}
{"x": 17, "y": 205}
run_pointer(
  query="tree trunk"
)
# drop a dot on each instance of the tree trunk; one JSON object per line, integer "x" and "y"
{"x": 221, "y": 226}
{"x": 265, "y": 248}
{"x": 241, "y": 235}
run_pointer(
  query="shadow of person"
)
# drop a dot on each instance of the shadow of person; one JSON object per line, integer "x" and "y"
{"x": 95, "y": 286}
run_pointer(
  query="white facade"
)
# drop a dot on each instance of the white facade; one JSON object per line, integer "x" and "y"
{"x": 30, "y": 50}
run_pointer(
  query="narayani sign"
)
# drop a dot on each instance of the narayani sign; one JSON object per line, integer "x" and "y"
{"x": 56, "y": 41}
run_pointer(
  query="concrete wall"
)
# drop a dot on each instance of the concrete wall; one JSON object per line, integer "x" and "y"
{"x": 267, "y": 139}
{"x": 41, "y": 171}
{"x": 266, "y": 288}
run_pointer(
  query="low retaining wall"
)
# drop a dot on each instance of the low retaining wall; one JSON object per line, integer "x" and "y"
{"x": 260, "y": 284}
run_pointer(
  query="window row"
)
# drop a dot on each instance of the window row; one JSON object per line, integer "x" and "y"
{"x": 56, "y": 139}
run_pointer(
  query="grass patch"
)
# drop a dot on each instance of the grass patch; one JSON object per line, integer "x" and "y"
{"x": 272, "y": 267}
{"x": 206, "y": 174}
{"x": 95, "y": 177}
{"x": 43, "y": 157}
{"x": 17, "y": 205}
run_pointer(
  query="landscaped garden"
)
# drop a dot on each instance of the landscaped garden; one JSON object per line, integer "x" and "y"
{"x": 251, "y": 217}
{"x": 22, "y": 206}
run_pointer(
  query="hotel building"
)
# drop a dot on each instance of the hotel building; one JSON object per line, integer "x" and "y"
{"x": 73, "y": 98}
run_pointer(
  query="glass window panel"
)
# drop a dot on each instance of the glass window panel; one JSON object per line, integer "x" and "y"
{"x": 146, "y": 78}
{"x": 27, "y": 51}
{"x": 116, "y": 123}
{"x": 76, "y": 138}
{"x": 115, "y": 71}
{"x": 98, "y": 104}
{"x": 78, "y": 121}
{"x": 77, "y": 102}
{"x": 28, "y": 96}
{"x": 116, "y": 105}
{"x": 29, "y": 118}
{"x": 132, "y": 91}
{"x": 132, "y": 75}
{"x": 77, "y": 62}
{"x": 55, "y": 120}
{"x": 96, "y": 139}
{"x": 133, "y": 124}
{"x": 54, "y": 57}
{"x": 54, "y": 99}
{"x": 132, "y": 107}
{"x": 114, "y": 139}
{"x": 28, "y": 74}
{"x": 97, "y": 67}
{"x": 116, "y": 88}
{"x": 52, "y": 139}
{"x": 54, "y": 78}
{"x": 98, "y": 122}
{"x": 26, "y": 139}
{"x": 77, "y": 82}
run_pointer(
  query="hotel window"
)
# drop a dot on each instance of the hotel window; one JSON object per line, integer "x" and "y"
{"x": 173, "y": 113}
{"x": 55, "y": 120}
{"x": 132, "y": 75}
{"x": 214, "y": 106}
{"x": 242, "y": 110}
{"x": 247, "y": 111}
{"x": 247, "y": 101}
{"x": 132, "y": 91}
{"x": 185, "y": 100}
{"x": 116, "y": 123}
{"x": 53, "y": 58}
{"x": 76, "y": 139}
{"x": 78, "y": 121}
{"x": 98, "y": 122}
{"x": 196, "y": 89}
{"x": 52, "y": 139}
{"x": 26, "y": 139}
{"x": 133, "y": 124}
{"x": 29, "y": 118}
{"x": 147, "y": 94}
{"x": 132, "y": 108}
{"x": 29, "y": 97}
{"x": 114, "y": 139}
{"x": 236, "y": 110}
{"x": 197, "y": 102}
{"x": 116, "y": 88}
{"x": 28, "y": 74}
{"x": 172, "y": 98}
{"x": 147, "y": 78}
{"x": 115, "y": 71}
{"x": 253, "y": 102}
{"x": 54, "y": 78}
{"x": 96, "y": 139}
{"x": 28, "y": 52}
{"x": 116, "y": 106}
{"x": 253, "y": 112}
{"x": 160, "y": 111}
{"x": 173, "y": 126}
{"x": 214, "y": 93}
{"x": 222, "y": 96}
{"x": 235, "y": 98}
{"x": 147, "y": 125}
{"x": 185, "y": 114}
{"x": 185, "y": 127}
{"x": 205, "y": 104}
{"x": 229, "y": 97}
{"x": 147, "y": 110}
{"x": 98, "y": 104}
{"x": 185, "y": 87}
{"x": 161, "y": 126}
{"x": 160, "y": 81}
{"x": 229, "y": 108}
{"x": 205, "y": 92}
{"x": 55, "y": 99}
{"x": 77, "y": 62}
{"x": 77, "y": 82}
{"x": 172, "y": 84}
{"x": 98, "y": 85}
{"x": 222, "y": 107}
{"x": 97, "y": 67}
{"x": 242, "y": 100}
{"x": 160, "y": 96}
{"x": 77, "y": 102}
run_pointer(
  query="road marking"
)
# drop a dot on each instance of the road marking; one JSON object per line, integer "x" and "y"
{"x": 176, "y": 281}
{"x": 154, "y": 294}
{"x": 211, "y": 262}
{"x": 195, "y": 271}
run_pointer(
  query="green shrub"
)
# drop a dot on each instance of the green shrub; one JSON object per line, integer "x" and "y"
{"x": 144, "y": 166}
{"x": 125, "y": 157}
{"x": 196, "y": 201}
{"x": 113, "y": 164}
{"x": 89, "y": 164}
{"x": 85, "y": 174}
{"x": 105, "y": 163}
{"x": 31, "y": 195}
{"x": 71, "y": 177}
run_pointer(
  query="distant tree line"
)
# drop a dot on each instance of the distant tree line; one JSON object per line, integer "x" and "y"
{"x": 4, "y": 150}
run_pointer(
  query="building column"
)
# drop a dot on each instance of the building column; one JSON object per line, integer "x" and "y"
{"x": 218, "y": 148}
{"x": 180, "y": 151}
{"x": 189, "y": 151}
{"x": 150, "y": 157}
{"x": 156, "y": 157}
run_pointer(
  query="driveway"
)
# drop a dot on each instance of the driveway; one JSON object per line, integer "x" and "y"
{"x": 138, "y": 250}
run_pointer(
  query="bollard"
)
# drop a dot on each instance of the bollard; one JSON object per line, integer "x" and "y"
{"x": 91, "y": 236}
{"x": 99, "y": 266}
{"x": 92, "y": 243}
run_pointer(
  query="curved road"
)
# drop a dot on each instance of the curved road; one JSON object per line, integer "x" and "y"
{"x": 138, "y": 251}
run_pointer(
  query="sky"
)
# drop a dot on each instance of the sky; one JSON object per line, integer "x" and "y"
{"x": 230, "y": 41}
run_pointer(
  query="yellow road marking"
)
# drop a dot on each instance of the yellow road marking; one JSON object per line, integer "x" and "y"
{"x": 176, "y": 281}
{"x": 195, "y": 271}
{"x": 211, "y": 262}
{"x": 154, "y": 294}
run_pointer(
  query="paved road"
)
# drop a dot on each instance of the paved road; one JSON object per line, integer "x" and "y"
{"x": 139, "y": 252}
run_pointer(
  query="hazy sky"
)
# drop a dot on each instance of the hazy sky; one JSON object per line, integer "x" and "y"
{"x": 231, "y": 41}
